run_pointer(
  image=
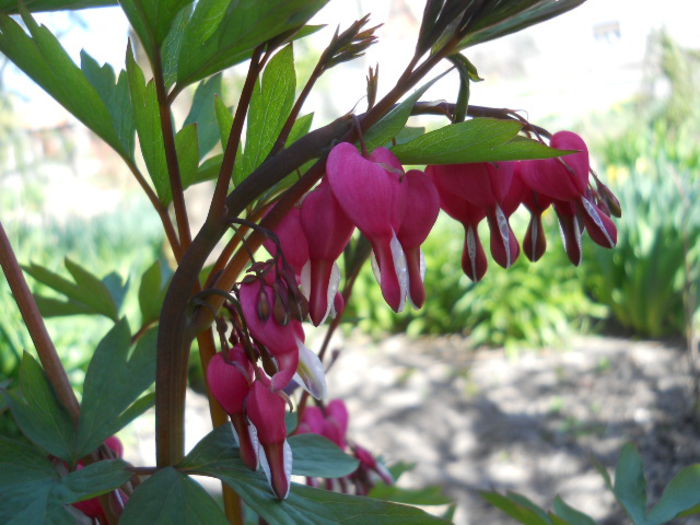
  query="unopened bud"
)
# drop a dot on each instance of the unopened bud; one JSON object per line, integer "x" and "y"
{"x": 610, "y": 199}
{"x": 263, "y": 305}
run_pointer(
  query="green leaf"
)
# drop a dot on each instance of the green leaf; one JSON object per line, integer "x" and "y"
{"x": 186, "y": 145}
{"x": 570, "y": 514}
{"x": 224, "y": 117}
{"x": 476, "y": 140}
{"x": 88, "y": 294}
{"x": 424, "y": 496}
{"x": 93, "y": 480}
{"x": 115, "y": 94}
{"x": 172, "y": 45}
{"x": 151, "y": 293}
{"x": 215, "y": 456}
{"x": 316, "y": 456}
{"x": 42, "y": 58}
{"x": 171, "y": 498}
{"x": 51, "y": 307}
{"x": 11, "y": 7}
{"x": 503, "y": 18}
{"x": 203, "y": 113}
{"x": 148, "y": 126}
{"x": 34, "y": 493}
{"x": 116, "y": 288}
{"x": 135, "y": 410}
{"x": 516, "y": 509}
{"x": 270, "y": 105}
{"x": 630, "y": 484}
{"x": 152, "y": 20}
{"x": 301, "y": 127}
{"x": 38, "y": 413}
{"x": 114, "y": 380}
{"x": 93, "y": 291}
{"x": 391, "y": 124}
{"x": 225, "y": 34}
{"x": 209, "y": 169}
{"x": 682, "y": 493}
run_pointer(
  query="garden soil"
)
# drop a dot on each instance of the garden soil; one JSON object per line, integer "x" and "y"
{"x": 534, "y": 424}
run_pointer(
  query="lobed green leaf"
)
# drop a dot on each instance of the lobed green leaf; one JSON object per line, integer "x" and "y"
{"x": 43, "y": 59}
{"x": 38, "y": 413}
{"x": 114, "y": 380}
{"x": 225, "y": 33}
{"x": 171, "y": 498}
{"x": 630, "y": 485}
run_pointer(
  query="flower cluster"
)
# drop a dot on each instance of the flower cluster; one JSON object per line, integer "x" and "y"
{"x": 331, "y": 422}
{"x": 395, "y": 210}
{"x": 470, "y": 192}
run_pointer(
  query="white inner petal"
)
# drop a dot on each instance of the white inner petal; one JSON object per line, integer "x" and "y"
{"x": 471, "y": 249}
{"x": 401, "y": 269}
{"x": 305, "y": 278}
{"x": 288, "y": 457}
{"x": 310, "y": 373}
{"x": 504, "y": 232}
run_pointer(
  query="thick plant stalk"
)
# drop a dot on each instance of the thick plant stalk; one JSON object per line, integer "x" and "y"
{"x": 37, "y": 329}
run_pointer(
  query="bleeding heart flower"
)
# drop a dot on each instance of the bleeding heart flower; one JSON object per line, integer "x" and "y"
{"x": 369, "y": 192}
{"x": 266, "y": 409}
{"x": 327, "y": 230}
{"x": 422, "y": 205}
{"x": 474, "y": 262}
{"x": 292, "y": 240}
{"x": 485, "y": 185}
{"x": 229, "y": 379}
{"x": 281, "y": 340}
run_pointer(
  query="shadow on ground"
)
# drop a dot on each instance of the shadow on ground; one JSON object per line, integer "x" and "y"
{"x": 477, "y": 420}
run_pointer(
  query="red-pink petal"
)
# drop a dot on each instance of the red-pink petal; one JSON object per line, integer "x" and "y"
{"x": 474, "y": 262}
{"x": 504, "y": 245}
{"x": 266, "y": 409}
{"x": 368, "y": 193}
{"x": 227, "y": 383}
{"x": 292, "y": 240}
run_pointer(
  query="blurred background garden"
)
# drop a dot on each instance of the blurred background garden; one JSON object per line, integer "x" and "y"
{"x": 625, "y": 77}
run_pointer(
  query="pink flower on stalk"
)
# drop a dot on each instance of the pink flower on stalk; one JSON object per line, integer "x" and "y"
{"x": 229, "y": 379}
{"x": 422, "y": 204}
{"x": 474, "y": 262}
{"x": 565, "y": 179}
{"x": 327, "y": 230}
{"x": 535, "y": 242}
{"x": 266, "y": 409}
{"x": 369, "y": 192}
{"x": 281, "y": 340}
{"x": 285, "y": 342}
{"x": 292, "y": 240}
{"x": 485, "y": 185}
{"x": 333, "y": 424}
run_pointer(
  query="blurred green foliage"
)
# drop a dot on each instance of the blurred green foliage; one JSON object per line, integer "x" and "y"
{"x": 651, "y": 158}
{"x": 102, "y": 244}
{"x": 528, "y": 305}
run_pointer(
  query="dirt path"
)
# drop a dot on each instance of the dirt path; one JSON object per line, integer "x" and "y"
{"x": 477, "y": 420}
